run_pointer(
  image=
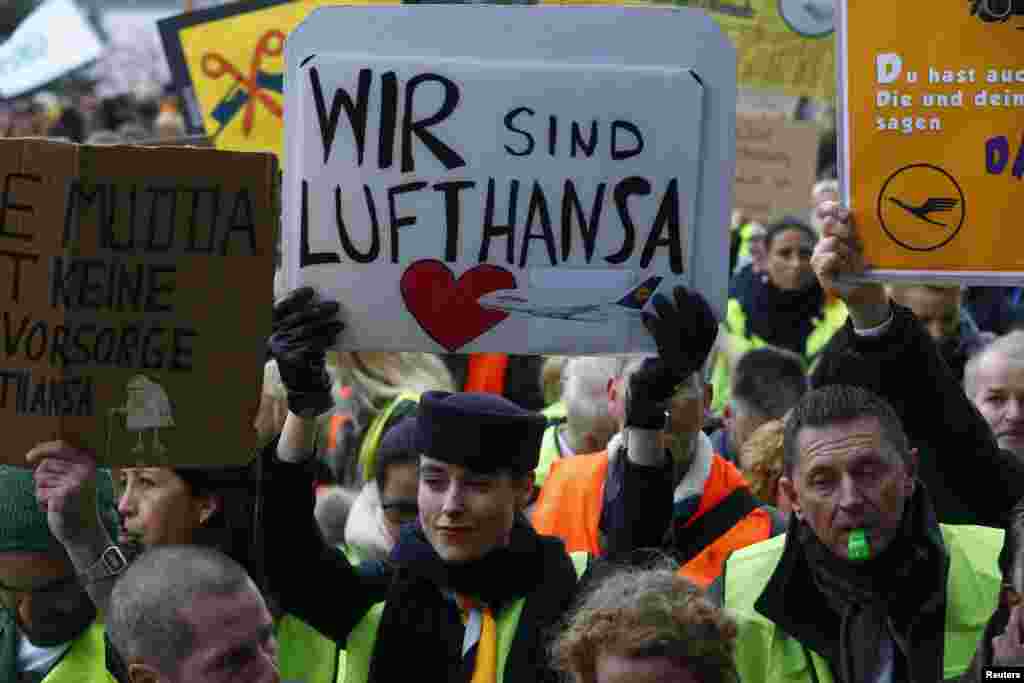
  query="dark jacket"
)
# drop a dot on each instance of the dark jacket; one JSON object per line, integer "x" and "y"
{"x": 781, "y": 318}
{"x": 970, "y": 480}
{"x": 955, "y": 350}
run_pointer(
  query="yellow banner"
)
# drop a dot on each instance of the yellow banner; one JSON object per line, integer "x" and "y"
{"x": 771, "y": 54}
{"x": 935, "y": 135}
{"x": 235, "y": 65}
{"x": 231, "y": 59}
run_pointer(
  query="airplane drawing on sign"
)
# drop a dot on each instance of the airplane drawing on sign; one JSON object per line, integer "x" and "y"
{"x": 631, "y": 304}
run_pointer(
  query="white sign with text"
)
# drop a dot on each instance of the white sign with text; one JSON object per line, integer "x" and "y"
{"x": 502, "y": 199}
{"x": 54, "y": 39}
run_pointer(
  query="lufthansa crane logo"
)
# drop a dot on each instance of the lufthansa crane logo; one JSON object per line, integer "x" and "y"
{"x": 921, "y": 207}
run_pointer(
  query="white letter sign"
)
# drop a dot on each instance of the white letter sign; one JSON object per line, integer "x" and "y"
{"x": 458, "y": 188}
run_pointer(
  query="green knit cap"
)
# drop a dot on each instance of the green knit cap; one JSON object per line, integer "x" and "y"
{"x": 23, "y": 526}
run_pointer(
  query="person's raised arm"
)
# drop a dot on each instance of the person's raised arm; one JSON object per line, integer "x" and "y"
{"x": 302, "y": 569}
{"x": 637, "y": 514}
{"x": 885, "y": 349}
{"x": 66, "y": 488}
{"x": 838, "y": 261}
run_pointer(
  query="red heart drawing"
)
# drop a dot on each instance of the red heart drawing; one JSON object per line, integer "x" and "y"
{"x": 447, "y": 308}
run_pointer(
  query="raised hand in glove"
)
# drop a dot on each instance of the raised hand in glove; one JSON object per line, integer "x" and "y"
{"x": 685, "y": 334}
{"x": 304, "y": 328}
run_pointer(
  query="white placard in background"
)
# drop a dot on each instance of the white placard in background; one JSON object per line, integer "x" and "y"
{"x": 471, "y": 192}
{"x": 51, "y": 41}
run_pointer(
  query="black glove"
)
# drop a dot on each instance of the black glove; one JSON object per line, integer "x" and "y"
{"x": 304, "y": 329}
{"x": 685, "y": 334}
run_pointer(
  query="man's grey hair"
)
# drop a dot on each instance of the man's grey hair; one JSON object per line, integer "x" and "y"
{"x": 838, "y": 404}
{"x": 1010, "y": 346}
{"x": 146, "y": 621}
{"x": 585, "y": 391}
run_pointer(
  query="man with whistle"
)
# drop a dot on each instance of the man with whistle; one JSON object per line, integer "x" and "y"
{"x": 866, "y": 586}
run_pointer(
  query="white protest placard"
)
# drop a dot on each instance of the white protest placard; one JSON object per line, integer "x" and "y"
{"x": 55, "y": 39}
{"x": 458, "y": 187}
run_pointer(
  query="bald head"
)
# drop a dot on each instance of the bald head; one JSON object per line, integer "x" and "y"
{"x": 152, "y": 605}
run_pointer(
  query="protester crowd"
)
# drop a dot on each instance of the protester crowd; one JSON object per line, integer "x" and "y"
{"x": 149, "y": 115}
{"x": 822, "y": 484}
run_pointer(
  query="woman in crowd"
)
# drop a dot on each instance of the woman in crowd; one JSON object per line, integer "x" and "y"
{"x": 211, "y": 507}
{"x": 783, "y": 305}
{"x": 386, "y": 503}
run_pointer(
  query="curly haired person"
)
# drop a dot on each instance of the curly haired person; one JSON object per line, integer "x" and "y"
{"x": 647, "y": 625}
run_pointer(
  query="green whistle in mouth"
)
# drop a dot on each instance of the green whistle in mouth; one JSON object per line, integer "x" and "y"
{"x": 858, "y": 547}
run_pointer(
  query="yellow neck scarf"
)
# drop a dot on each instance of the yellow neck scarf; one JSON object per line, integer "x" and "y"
{"x": 481, "y": 639}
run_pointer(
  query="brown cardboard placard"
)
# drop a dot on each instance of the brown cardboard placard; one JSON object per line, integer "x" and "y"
{"x": 138, "y": 287}
{"x": 775, "y": 160}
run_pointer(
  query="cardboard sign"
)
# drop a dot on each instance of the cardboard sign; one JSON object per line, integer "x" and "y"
{"x": 933, "y": 141}
{"x": 234, "y": 87}
{"x": 51, "y": 41}
{"x": 775, "y": 161}
{"x": 461, "y": 190}
{"x": 138, "y": 284}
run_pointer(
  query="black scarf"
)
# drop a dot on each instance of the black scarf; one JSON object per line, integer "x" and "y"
{"x": 870, "y": 596}
{"x": 780, "y": 317}
{"x": 421, "y": 628}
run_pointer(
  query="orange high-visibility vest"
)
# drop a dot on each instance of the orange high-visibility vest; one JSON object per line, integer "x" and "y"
{"x": 335, "y": 427}
{"x": 486, "y": 373}
{"x": 570, "y": 502}
{"x": 755, "y": 527}
{"x": 569, "y": 505}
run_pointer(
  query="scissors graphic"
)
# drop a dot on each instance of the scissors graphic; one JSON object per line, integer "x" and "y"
{"x": 215, "y": 66}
